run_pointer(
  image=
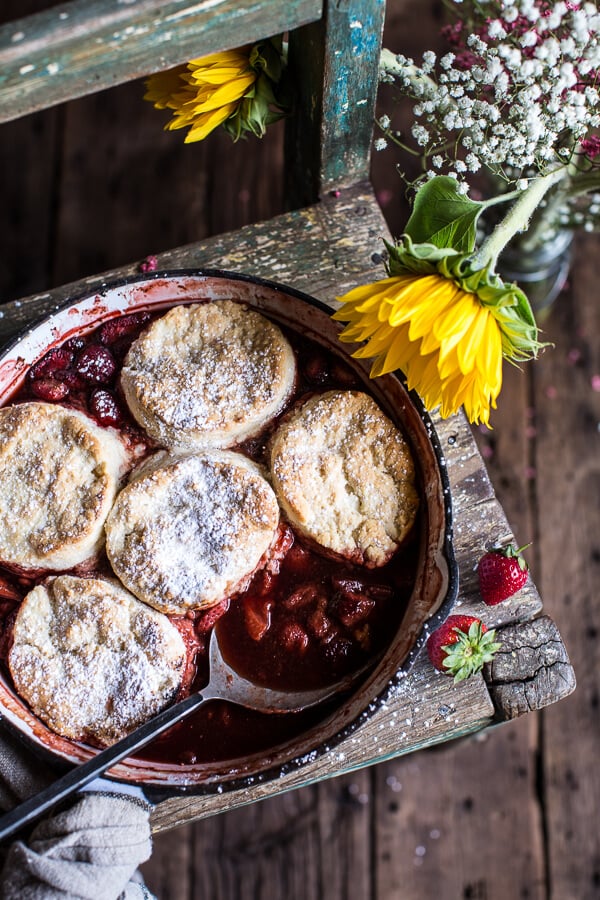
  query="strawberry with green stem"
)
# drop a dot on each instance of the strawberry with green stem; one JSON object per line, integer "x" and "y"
{"x": 461, "y": 646}
{"x": 501, "y": 574}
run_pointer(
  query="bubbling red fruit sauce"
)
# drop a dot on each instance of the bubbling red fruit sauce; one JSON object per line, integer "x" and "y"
{"x": 306, "y": 619}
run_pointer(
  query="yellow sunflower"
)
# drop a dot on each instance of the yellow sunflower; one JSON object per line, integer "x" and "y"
{"x": 447, "y": 344}
{"x": 444, "y": 317}
{"x": 234, "y": 88}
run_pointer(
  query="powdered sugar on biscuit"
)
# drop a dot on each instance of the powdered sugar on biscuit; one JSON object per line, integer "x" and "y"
{"x": 91, "y": 660}
{"x": 344, "y": 475}
{"x": 208, "y": 375}
{"x": 188, "y": 533}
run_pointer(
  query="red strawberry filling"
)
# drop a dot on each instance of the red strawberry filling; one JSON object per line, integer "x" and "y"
{"x": 304, "y": 619}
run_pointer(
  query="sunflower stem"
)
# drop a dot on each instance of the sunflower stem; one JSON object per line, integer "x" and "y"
{"x": 516, "y": 219}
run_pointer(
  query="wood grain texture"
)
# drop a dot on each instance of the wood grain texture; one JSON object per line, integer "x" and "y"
{"x": 567, "y": 466}
{"x": 462, "y": 820}
{"x": 531, "y": 670}
{"x": 82, "y": 47}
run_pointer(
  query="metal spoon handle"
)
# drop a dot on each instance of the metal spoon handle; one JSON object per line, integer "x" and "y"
{"x": 82, "y": 774}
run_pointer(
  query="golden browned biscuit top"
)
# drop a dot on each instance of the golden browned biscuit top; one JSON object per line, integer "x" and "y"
{"x": 190, "y": 531}
{"x": 344, "y": 476}
{"x": 208, "y": 375}
{"x": 91, "y": 660}
{"x": 59, "y": 475}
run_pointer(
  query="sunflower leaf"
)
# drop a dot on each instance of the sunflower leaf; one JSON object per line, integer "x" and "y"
{"x": 443, "y": 216}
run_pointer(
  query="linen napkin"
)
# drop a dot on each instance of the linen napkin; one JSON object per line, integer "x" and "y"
{"x": 89, "y": 851}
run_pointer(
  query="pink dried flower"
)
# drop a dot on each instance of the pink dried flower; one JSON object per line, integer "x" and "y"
{"x": 591, "y": 146}
{"x": 149, "y": 264}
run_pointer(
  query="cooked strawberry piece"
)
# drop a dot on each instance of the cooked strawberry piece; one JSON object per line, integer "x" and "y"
{"x": 316, "y": 368}
{"x": 49, "y": 389}
{"x": 322, "y": 626}
{"x": 72, "y": 380}
{"x": 7, "y": 591}
{"x": 284, "y": 542}
{"x": 294, "y": 637}
{"x": 104, "y": 407}
{"x": 297, "y": 559}
{"x": 55, "y": 361}
{"x": 306, "y": 595}
{"x": 96, "y": 364}
{"x": 338, "y": 649}
{"x": 124, "y": 327}
{"x": 352, "y": 609}
{"x": 263, "y": 582}
{"x": 257, "y": 614}
{"x": 208, "y": 619}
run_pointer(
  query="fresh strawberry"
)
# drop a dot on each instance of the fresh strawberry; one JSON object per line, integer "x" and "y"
{"x": 501, "y": 574}
{"x": 461, "y": 646}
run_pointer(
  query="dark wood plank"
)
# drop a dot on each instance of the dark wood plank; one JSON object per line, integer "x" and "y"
{"x": 121, "y": 169}
{"x": 84, "y": 46}
{"x": 462, "y": 821}
{"x": 29, "y": 191}
{"x": 567, "y": 461}
{"x": 299, "y": 845}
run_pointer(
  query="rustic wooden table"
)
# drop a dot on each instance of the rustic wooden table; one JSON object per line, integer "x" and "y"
{"x": 312, "y": 250}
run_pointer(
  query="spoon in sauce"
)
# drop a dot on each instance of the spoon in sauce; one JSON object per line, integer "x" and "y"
{"x": 224, "y": 684}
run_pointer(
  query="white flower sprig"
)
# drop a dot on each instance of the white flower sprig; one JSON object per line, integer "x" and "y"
{"x": 520, "y": 95}
{"x": 517, "y": 96}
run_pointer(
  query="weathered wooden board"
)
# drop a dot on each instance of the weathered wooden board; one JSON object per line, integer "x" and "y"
{"x": 462, "y": 820}
{"x": 84, "y": 46}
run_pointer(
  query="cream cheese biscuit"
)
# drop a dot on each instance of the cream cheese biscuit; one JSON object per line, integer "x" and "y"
{"x": 208, "y": 375}
{"x": 91, "y": 661}
{"x": 344, "y": 476}
{"x": 59, "y": 474}
{"x": 190, "y": 531}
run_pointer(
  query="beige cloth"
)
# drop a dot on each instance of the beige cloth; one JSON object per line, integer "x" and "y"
{"x": 90, "y": 850}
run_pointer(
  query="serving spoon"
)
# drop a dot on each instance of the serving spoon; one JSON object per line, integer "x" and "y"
{"x": 224, "y": 684}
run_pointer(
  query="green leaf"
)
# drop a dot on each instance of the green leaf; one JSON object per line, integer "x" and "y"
{"x": 444, "y": 217}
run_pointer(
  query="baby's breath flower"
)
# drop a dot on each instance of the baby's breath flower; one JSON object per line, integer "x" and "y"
{"x": 517, "y": 94}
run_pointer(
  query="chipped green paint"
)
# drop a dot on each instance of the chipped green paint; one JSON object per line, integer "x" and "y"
{"x": 336, "y": 66}
{"x": 84, "y": 46}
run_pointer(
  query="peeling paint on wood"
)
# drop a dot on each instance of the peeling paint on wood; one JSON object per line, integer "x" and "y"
{"x": 81, "y": 47}
{"x": 335, "y": 65}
